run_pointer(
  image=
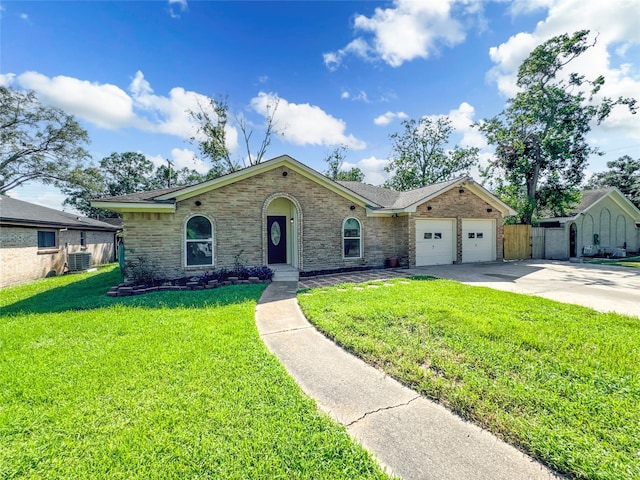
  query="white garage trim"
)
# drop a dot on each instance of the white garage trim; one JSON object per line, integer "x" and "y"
{"x": 478, "y": 240}
{"x": 435, "y": 241}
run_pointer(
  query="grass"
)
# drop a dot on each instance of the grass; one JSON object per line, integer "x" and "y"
{"x": 633, "y": 262}
{"x": 560, "y": 381}
{"x": 166, "y": 385}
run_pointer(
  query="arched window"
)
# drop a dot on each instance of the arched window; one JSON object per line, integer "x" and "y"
{"x": 199, "y": 241}
{"x": 352, "y": 238}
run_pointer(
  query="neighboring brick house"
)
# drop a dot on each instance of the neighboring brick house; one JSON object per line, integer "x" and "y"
{"x": 603, "y": 223}
{"x": 283, "y": 212}
{"x": 37, "y": 242}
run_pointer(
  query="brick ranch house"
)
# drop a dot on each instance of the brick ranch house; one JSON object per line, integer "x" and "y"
{"x": 283, "y": 212}
{"x": 37, "y": 242}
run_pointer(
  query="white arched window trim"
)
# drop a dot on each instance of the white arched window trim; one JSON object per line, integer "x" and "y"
{"x": 198, "y": 251}
{"x": 351, "y": 239}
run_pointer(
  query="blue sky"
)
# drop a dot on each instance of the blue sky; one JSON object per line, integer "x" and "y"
{"x": 344, "y": 72}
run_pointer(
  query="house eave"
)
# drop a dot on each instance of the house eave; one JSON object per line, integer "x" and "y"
{"x": 128, "y": 207}
{"x": 11, "y": 222}
{"x": 477, "y": 189}
{"x": 385, "y": 212}
{"x": 249, "y": 172}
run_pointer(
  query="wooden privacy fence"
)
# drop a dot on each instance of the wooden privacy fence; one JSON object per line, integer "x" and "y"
{"x": 517, "y": 242}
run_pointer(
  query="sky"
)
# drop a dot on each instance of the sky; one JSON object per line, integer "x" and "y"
{"x": 344, "y": 72}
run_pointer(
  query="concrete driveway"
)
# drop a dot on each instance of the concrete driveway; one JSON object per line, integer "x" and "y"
{"x": 603, "y": 288}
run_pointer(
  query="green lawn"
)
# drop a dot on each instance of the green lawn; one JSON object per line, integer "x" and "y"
{"x": 561, "y": 382}
{"x": 166, "y": 385}
{"x": 620, "y": 262}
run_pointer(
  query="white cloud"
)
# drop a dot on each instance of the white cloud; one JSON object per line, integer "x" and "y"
{"x": 24, "y": 16}
{"x": 305, "y": 124}
{"x": 110, "y": 107}
{"x": 358, "y": 47}
{"x": 387, "y": 118}
{"x": 410, "y": 29}
{"x": 105, "y": 105}
{"x": 167, "y": 114}
{"x": 373, "y": 169}
{"x": 181, "y": 158}
{"x": 461, "y": 121}
{"x": 344, "y": 95}
{"x": 6, "y": 79}
{"x": 616, "y": 27}
{"x": 176, "y": 7}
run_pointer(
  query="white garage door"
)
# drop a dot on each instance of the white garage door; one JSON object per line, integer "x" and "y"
{"x": 478, "y": 241}
{"x": 435, "y": 241}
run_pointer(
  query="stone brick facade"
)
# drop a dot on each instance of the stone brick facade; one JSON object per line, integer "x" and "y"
{"x": 21, "y": 260}
{"x": 238, "y": 214}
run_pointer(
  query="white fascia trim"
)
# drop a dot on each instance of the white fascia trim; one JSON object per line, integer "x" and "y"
{"x": 122, "y": 207}
{"x": 399, "y": 212}
{"x": 476, "y": 188}
{"x": 623, "y": 202}
{"x": 248, "y": 172}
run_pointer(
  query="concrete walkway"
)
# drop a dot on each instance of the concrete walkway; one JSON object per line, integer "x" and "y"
{"x": 410, "y": 436}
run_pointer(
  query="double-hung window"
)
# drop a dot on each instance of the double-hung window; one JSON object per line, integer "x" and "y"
{"x": 199, "y": 241}
{"x": 352, "y": 238}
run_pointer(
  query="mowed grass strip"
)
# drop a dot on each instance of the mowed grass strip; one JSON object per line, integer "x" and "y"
{"x": 166, "y": 385}
{"x": 560, "y": 381}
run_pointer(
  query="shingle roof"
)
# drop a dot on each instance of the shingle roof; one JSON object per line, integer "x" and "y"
{"x": 141, "y": 197}
{"x": 589, "y": 197}
{"x": 17, "y": 212}
{"x": 392, "y": 199}
{"x": 382, "y": 196}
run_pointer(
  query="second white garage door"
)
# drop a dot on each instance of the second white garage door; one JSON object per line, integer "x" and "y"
{"x": 478, "y": 241}
{"x": 435, "y": 241}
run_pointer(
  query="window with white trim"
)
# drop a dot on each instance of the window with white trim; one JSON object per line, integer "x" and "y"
{"x": 199, "y": 241}
{"x": 352, "y": 238}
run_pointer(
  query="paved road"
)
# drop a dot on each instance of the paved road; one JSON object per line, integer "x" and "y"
{"x": 603, "y": 288}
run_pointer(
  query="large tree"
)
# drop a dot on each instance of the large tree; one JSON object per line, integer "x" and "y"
{"x": 335, "y": 166}
{"x": 624, "y": 174}
{"x": 120, "y": 174}
{"x": 212, "y": 120}
{"x": 36, "y": 142}
{"x": 540, "y": 137}
{"x": 421, "y": 157}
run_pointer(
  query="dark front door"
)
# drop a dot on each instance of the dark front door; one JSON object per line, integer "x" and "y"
{"x": 573, "y": 237}
{"x": 277, "y": 239}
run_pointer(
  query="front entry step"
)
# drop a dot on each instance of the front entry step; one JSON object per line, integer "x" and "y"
{"x": 285, "y": 273}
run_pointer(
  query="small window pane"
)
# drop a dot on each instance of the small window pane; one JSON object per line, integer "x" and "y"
{"x": 46, "y": 239}
{"x": 199, "y": 253}
{"x": 198, "y": 228}
{"x": 352, "y": 228}
{"x": 437, "y": 236}
{"x": 428, "y": 236}
{"x": 471, "y": 235}
{"x": 83, "y": 239}
{"x": 352, "y": 248}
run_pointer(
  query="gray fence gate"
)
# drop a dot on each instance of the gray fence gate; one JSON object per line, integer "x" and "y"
{"x": 537, "y": 242}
